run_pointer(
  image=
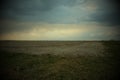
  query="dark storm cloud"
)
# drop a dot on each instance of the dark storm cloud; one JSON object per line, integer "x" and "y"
{"x": 15, "y": 12}
{"x": 27, "y": 15}
{"x": 14, "y": 9}
{"x": 107, "y": 12}
{"x": 39, "y": 10}
{"x": 22, "y": 9}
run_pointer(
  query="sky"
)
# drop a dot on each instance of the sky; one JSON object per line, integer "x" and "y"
{"x": 59, "y": 20}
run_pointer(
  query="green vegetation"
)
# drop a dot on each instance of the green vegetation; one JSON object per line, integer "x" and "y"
{"x": 19, "y": 66}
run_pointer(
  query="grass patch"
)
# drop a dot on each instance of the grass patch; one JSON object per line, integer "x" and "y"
{"x": 50, "y": 67}
{"x": 19, "y": 66}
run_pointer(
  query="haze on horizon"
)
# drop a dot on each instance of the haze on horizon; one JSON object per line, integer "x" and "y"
{"x": 59, "y": 20}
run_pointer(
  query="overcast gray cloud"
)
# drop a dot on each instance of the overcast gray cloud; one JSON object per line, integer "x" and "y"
{"x": 16, "y": 12}
{"x": 22, "y": 9}
{"x": 54, "y": 11}
{"x": 24, "y": 15}
{"x": 107, "y": 12}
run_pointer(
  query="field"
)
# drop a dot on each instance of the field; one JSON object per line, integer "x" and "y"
{"x": 59, "y": 60}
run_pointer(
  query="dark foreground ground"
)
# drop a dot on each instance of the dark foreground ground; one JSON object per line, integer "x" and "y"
{"x": 89, "y": 60}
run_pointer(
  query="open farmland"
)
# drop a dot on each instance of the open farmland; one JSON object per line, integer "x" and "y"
{"x": 59, "y": 60}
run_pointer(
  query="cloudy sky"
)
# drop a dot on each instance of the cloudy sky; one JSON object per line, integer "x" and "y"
{"x": 59, "y": 20}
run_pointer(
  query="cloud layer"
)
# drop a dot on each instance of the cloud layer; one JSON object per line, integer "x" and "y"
{"x": 22, "y": 16}
{"x": 107, "y": 12}
{"x": 64, "y": 32}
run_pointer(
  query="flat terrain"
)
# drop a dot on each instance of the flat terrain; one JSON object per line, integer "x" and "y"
{"x": 59, "y": 60}
{"x": 54, "y": 47}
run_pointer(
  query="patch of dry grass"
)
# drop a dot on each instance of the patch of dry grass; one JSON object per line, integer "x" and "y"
{"x": 19, "y": 66}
